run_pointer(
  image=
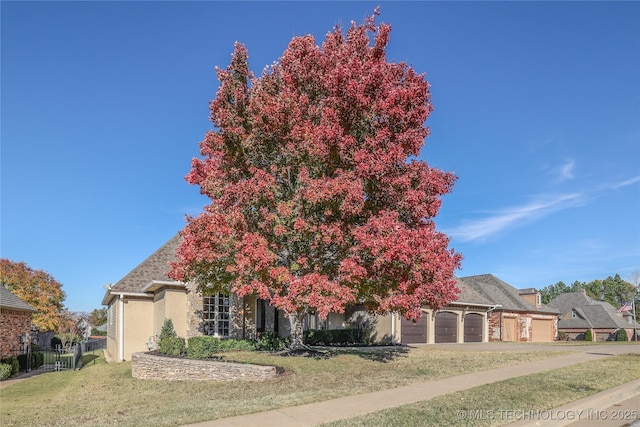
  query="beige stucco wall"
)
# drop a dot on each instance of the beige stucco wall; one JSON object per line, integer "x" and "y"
{"x": 112, "y": 329}
{"x": 138, "y": 325}
{"x": 170, "y": 304}
{"x": 382, "y": 332}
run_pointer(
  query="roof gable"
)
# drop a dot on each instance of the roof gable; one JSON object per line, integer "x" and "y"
{"x": 154, "y": 268}
{"x": 468, "y": 295}
{"x": 9, "y": 300}
{"x": 598, "y": 314}
{"x": 503, "y": 294}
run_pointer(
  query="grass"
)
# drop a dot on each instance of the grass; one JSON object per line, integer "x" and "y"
{"x": 510, "y": 400}
{"x": 106, "y": 394}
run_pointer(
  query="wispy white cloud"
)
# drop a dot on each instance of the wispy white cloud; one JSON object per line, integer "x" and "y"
{"x": 543, "y": 205}
{"x": 624, "y": 183}
{"x": 482, "y": 228}
{"x": 566, "y": 170}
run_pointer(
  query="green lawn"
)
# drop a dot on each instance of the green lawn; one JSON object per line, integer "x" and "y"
{"x": 106, "y": 394}
{"x": 510, "y": 400}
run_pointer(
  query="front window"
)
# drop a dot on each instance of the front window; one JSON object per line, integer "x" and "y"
{"x": 216, "y": 315}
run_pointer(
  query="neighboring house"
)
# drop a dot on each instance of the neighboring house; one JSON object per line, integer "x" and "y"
{"x": 139, "y": 303}
{"x": 579, "y": 312}
{"x": 15, "y": 323}
{"x": 518, "y": 315}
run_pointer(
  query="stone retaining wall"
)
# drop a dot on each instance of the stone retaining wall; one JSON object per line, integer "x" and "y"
{"x": 152, "y": 367}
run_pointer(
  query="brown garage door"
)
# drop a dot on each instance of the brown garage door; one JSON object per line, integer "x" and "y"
{"x": 542, "y": 330}
{"x": 413, "y": 332}
{"x": 446, "y": 327}
{"x": 473, "y": 327}
{"x": 509, "y": 329}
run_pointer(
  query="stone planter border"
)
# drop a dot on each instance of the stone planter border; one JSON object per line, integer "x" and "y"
{"x": 151, "y": 367}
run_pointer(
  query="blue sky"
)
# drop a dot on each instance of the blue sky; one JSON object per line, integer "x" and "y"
{"x": 537, "y": 110}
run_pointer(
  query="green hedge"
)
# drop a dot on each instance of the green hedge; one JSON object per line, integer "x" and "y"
{"x": 270, "y": 341}
{"x": 331, "y": 337}
{"x": 37, "y": 359}
{"x": 588, "y": 335}
{"x": 172, "y": 346}
{"x": 621, "y": 335}
{"x": 204, "y": 347}
{"x": 5, "y": 371}
{"x": 13, "y": 362}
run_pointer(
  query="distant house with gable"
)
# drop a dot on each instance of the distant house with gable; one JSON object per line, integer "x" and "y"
{"x": 579, "y": 312}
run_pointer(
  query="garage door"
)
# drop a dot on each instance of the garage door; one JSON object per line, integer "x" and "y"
{"x": 446, "y": 327}
{"x": 473, "y": 327}
{"x": 413, "y": 332}
{"x": 542, "y": 330}
{"x": 509, "y": 329}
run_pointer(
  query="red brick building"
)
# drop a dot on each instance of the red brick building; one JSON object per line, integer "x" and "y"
{"x": 15, "y": 322}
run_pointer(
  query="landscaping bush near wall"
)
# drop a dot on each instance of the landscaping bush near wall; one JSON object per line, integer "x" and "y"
{"x": 203, "y": 347}
{"x": 5, "y": 371}
{"x": 330, "y": 337}
{"x": 151, "y": 367}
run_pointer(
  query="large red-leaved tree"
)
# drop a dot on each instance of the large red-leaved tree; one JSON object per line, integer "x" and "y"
{"x": 317, "y": 199}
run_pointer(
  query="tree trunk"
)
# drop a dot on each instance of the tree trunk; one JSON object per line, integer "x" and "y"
{"x": 297, "y": 334}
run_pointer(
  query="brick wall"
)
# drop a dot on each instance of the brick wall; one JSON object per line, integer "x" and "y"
{"x": 151, "y": 367}
{"x": 13, "y": 323}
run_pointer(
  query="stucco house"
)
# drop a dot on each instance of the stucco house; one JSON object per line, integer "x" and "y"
{"x": 15, "y": 323}
{"x": 139, "y": 303}
{"x": 579, "y": 312}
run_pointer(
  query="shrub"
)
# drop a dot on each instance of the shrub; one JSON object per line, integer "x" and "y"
{"x": 172, "y": 346}
{"x": 588, "y": 335}
{"x": 13, "y": 362}
{"x": 37, "y": 359}
{"x": 270, "y": 341}
{"x": 621, "y": 335}
{"x": 203, "y": 347}
{"x": 330, "y": 337}
{"x": 5, "y": 371}
{"x": 169, "y": 342}
{"x": 22, "y": 361}
{"x": 56, "y": 341}
{"x": 237, "y": 345}
{"x": 363, "y": 324}
{"x": 98, "y": 333}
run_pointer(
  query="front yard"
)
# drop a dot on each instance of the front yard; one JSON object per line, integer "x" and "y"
{"x": 106, "y": 394}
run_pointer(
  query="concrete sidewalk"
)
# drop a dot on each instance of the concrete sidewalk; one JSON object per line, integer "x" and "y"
{"x": 314, "y": 414}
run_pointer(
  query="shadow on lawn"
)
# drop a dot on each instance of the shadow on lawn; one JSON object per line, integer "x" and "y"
{"x": 375, "y": 354}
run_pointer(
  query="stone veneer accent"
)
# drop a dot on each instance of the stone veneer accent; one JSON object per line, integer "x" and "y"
{"x": 151, "y": 367}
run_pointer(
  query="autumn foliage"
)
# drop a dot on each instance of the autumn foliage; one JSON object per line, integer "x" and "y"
{"x": 318, "y": 200}
{"x": 38, "y": 289}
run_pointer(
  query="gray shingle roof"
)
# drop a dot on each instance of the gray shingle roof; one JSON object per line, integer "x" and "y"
{"x": 469, "y": 295}
{"x": 591, "y": 313}
{"x": 499, "y": 292}
{"x": 155, "y": 267}
{"x": 9, "y": 300}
